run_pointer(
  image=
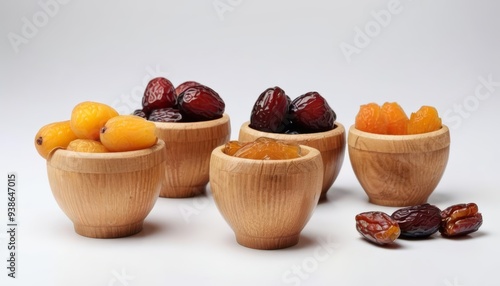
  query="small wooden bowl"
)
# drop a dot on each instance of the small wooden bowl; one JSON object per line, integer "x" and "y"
{"x": 267, "y": 203}
{"x": 188, "y": 149}
{"x": 399, "y": 170}
{"x": 331, "y": 145}
{"x": 107, "y": 195}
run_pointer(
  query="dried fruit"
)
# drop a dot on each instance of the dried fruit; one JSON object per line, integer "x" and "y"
{"x": 418, "y": 221}
{"x": 159, "y": 93}
{"x": 232, "y": 146}
{"x": 201, "y": 103}
{"x": 127, "y": 133}
{"x": 310, "y": 112}
{"x": 460, "y": 219}
{"x": 185, "y": 85}
{"x": 268, "y": 149}
{"x": 87, "y": 146}
{"x": 140, "y": 113}
{"x": 87, "y": 119}
{"x": 270, "y": 111}
{"x": 426, "y": 119}
{"x": 165, "y": 115}
{"x": 370, "y": 118}
{"x": 53, "y": 135}
{"x": 377, "y": 227}
{"x": 397, "y": 120}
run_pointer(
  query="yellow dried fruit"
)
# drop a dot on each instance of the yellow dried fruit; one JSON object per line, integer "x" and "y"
{"x": 127, "y": 133}
{"x": 53, "y": 135}
{"x": 87, "y": 119}
{"x": 87, "y": 146}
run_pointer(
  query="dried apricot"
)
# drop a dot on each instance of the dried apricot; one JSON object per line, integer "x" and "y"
{"x": 370, "y": 118}
{"x": 397, "y": 120}
{"x": 86, "y": 145}
{"x": 87, "y": 119}
{"x": 426, "y": 119}
{"x": 232, "y": 147}
{"x": 269, "y": 149}
{"x": 127, "y": 133}
{"x": 53, "y": 135}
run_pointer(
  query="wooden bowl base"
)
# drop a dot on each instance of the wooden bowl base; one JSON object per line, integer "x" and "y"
{"x": 267, "y": 243}
{"x": 109, "y": 231}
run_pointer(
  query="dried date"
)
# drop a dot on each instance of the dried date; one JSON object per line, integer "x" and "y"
{"x": 419, "y": 221}
{"x": 377, "y": 227}
{"x": 460, "y": 219}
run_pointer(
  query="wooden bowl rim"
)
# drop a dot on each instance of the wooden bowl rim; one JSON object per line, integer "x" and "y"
{"x": 310, "y": 153}
{"x": 100, "y": 162}
{"x": 338, "y": 130}
{"x": 192, "y": 125}
{"x": 429, "y": 141}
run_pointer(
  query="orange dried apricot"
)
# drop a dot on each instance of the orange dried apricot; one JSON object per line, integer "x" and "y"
{"x": 426, "y": 119}
{"x": 87, "y": 119}
{"x": 128, "y": 133}
{"x": 269, "y": 149}
{"x": 53, "y": 135}
{"x": 87, "y": 146}
{"x": 370, "y": 118}
{"x": 397, "y": 120}
{"x": 232, "y": 147}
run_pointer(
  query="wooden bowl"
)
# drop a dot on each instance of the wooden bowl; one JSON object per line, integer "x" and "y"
{"x": 399, "y": 170}
{"x": 107, "y": 195}
{"x": 331, "y": 145}
{"x": 267, "y": 203}
{"x": 188, "y": 149}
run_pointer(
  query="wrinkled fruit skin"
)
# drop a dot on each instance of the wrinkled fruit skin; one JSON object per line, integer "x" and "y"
{"x": 185, "y": 85}
{"x": 460, "y": 219}
{"x": 159, "y": 93}
{"x": 377, "y": 227}
{"x": 270, "y": 111}
{"x": 419, "y": 221}
{"x": 165, "y": 115}
{"x": 200, "y": 103}
{"x": 140, "y": 113}
{"x": 311, "y": 112}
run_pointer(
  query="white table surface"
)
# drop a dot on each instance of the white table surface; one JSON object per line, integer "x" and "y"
{"x": 427, "y": 53}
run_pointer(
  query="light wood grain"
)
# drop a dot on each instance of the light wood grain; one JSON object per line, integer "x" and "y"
{"x": 107, "y": 195}
{"x": 331, "y": 144}
{"x": 399, "y": 170}
{"x": 188, "y": 149}
{"x": 267, "y": 203}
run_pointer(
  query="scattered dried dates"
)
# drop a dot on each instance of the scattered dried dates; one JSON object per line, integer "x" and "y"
{"x": 460, "y": 219}
{"x": 418, "y": 222}
{"x": 377, "y": 227}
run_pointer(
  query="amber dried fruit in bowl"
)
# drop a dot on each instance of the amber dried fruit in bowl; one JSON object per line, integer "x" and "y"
{"x": 264, "y": 149}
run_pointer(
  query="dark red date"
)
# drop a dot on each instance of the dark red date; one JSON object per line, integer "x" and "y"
{"x": 377, "y": 227}
{"x": 199, "y": 103}
{"x": 311, "y": 113}
{"x": 460, "y": 219}
{"x": 270, "y": 111}
{"x": 419, "y": 221}
{"x": 159, "y": 93}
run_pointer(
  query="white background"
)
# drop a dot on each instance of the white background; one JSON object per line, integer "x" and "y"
{"x": 417, "y": 53}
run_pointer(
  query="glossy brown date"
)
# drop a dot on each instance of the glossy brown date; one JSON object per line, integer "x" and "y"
{"x": 460, "y": 219}
{"x": 377, "y": 227}
{"x": 418, "y": 221}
